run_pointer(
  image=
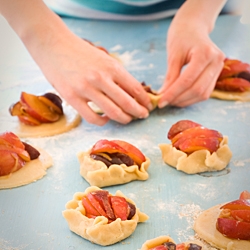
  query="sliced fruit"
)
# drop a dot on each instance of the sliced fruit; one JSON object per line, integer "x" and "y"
{"x": 233, "y": 67}
{"x": 245, "y": 195}
{"x": 233, "y": 229}
{"x": 241, "y": 215}
{"x": 120, "y": 207}
{"x": 132, "y": 151}
{"x": 37, "y": 109}
{"x": 180, "y": 126}
{"x": 90, "y": 210}
{"x": 96, "y": 204}
{"x": 106, "y": 146}
{"x": 237, "y": 205}
{"x": 102, "y": 197}
{"x": 233, "y": 84}
{"x": 53, "y": 101}
{"x": 191, "y": 145}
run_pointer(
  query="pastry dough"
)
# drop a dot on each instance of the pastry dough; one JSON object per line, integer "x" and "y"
{"x": 32, "y": 171}
{"x": 98, "y": 230}
{"x": 156, "y": 242}
{"x": 162, "y": 239}
{"x": 154, "y": 100}
{"x": 205, "y": 227}
{"x": 69, "y": 120}
{"x": 199, "y": 161}
{"x": 96, "y": 173}
{"x": 231, "y": 96}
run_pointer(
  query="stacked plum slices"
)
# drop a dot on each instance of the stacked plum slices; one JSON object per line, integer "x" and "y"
{"x": 173, "y": 246}
{"x": 34, "y": 110}
{"x": 117, "y": 152}
{"x": 102, "y": 203}
{"x": 189, "y": 136}
{"x": 234, "y": 219}
{"x": 234, "y": 77}
{"x": 14, "y": 154}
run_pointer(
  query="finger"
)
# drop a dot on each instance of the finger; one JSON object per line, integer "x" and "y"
{"x": 87, "y": 113}
{"x": 202, "y": 88}
{"x": 134, "y": 89}
{"x": 174, "y": 69}
{"x": 119, "y": 105}
{"x": 185, "y": 81}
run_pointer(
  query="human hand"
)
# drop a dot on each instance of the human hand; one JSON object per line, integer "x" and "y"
{"x": 83, "y": 73}
{"x": 189, "y": 45}
{"x": 79, "y": 71}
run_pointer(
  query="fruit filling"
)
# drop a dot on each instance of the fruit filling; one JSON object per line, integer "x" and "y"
{"x": 235, "y": 76}
{"x": 101, "y": 203}
{"x": 34, "y": 110}
{"x": 14, "y": 153}
{"x": 173, "y": 246}
{"x": 189, "y": 136}
{"x": 234, "y": 219}
{"x": 117, "y": 152}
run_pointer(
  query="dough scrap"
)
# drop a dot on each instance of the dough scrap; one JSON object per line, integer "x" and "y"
{"x": 231, "y": 96}
{"x": 199, "y": 161}
{"x": 68, "y": 121}
{"x": 205, "y": 227}
{"x": 98, "y": 230}
{"x": 32, "y": 171}
{"x": 96, "y": 173}
{"x": 154, "y": 100}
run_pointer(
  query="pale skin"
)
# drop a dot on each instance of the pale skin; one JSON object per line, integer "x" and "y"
{"x": 81, "y": 73}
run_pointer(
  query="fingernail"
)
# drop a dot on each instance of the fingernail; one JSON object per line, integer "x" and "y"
{"x": 144, "y": 116}
{"x": 150, "y": 106}
{"x": 162, "y": 104}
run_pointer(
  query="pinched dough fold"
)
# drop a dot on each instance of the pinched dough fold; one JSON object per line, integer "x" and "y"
{"x": 98, "y": 230}
{"x": 96, "y": 173}
{"x": 199, "y": 161}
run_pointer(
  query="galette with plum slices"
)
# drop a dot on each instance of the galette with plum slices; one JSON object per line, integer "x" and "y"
{"x": 113, "y": 162}
{"x": 42, "y": 115}
{"x": 167, "y": 243}
{"x": 226, "y": 226}
{"x": 195, "y": 149}
{"x": 102, "y": 218}
{"x": 154, "y": 98}
{"x": 233, "y": 82}
{"x": 20, "y": 163}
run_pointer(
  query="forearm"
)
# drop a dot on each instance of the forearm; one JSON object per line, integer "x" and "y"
{"x": 33, "y": 22}
{"x": 202, "y": 12}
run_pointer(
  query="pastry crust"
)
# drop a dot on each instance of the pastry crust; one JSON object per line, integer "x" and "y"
{"x": 205, "y": 227}
{"x": 199, "y": 161}
{"x": 98, "y": 230}
{"x": 69, "y": 120}
{"x": 32, "y": 171}
{"x": 231, "y": 96}
{"x": 96, "y": 173}
{"x": 156, "y": 242}
{"x": 162, "y": 239}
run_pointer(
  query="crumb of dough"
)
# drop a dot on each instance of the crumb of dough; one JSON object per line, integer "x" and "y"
{"x": 32, "y": 171}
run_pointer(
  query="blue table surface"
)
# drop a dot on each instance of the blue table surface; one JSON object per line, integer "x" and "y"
{"x": 31, "y": 215}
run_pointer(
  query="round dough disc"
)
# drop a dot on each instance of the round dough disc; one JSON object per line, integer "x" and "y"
{"x": 32, "y": 171}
